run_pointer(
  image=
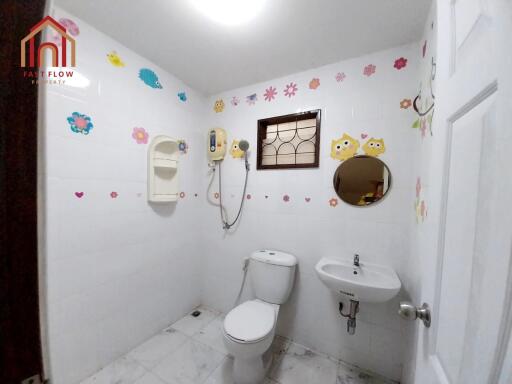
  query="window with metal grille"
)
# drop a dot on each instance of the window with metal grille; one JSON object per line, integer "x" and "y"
{"x": 290, "y": 141}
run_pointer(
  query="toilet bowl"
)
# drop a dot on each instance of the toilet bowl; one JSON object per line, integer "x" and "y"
{"x": 248, "y": 333}
{"x": 249, "y": 328}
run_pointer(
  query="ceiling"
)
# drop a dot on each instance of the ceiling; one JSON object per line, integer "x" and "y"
{"x": 287, "y": 36}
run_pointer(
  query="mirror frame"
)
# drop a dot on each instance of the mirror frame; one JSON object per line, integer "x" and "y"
{"x": 390, "y": 184}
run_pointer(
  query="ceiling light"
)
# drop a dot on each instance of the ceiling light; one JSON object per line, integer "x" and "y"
{"x": 230, "y": 12}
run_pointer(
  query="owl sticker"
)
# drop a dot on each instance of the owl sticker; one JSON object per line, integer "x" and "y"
{"x": 374, "y": 147}
{"x": 218, "y": 106}
{"x": 344, "y": 148}
{"x": 235, "y": 150}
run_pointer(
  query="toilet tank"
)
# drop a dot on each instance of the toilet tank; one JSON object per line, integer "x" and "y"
{"x": 272, "y": 275}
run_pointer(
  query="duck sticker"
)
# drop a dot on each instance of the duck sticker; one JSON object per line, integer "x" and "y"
{"x": 114, "y": 59}
{"x": 344, "y": 148}
{"x": 149, "y": 78}
{"x": 235, "y": 150}
{"x": 374, "y": 147}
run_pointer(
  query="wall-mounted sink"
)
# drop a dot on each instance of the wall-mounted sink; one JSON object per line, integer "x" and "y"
{"x": 367, "y": 282}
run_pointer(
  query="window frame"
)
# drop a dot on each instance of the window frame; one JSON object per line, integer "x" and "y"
{"x": 293, "y": 117}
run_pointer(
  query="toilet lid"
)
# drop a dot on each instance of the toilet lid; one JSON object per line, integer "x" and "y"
{"x": 250, "y": 321}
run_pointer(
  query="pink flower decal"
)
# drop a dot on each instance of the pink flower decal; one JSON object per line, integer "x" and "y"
{"x": 290, "y": 89}
{"x": 333, "y": 202}
{"x": 400, "y": 63}
{"x": 423, "y": 209}
{"x": 364, "y": 135}
{"x": 140, "y": 135}
{"x": 248, "y": 197}
{"x": 307, "y": 199}
{"x": 314, "y": 83}
{"x": 182, "y": 195}
{"x": 79, "y": 194}
{"x": 235, "y": 101}
{"x": 114, "y": 195}
{"x": 340, "y": 76}
{"x": 418, "y": 187}
{"x": 405, "y": 103}
{"x": 369, "y": 70}
{"x": 70, "y": 26}
{"x": 286, "y": 198}
{"x": 270, "y": 93}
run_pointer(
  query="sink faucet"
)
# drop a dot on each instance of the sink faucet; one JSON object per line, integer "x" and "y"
{"x": 356, "y": 260}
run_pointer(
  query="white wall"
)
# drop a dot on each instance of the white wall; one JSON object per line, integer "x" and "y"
{"x": 381, "y": 233}
{"x": 118, "y": 270}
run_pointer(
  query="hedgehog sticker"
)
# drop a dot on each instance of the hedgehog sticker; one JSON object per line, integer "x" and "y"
{"x": 149, "y": 78}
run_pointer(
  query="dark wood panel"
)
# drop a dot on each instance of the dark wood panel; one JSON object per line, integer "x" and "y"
{"x": 20, "y": 340}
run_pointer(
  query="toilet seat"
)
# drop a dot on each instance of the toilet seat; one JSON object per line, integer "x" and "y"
{"x": 250, "y": 322}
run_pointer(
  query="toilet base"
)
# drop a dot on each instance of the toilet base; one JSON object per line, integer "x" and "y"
{"x": 250, "y": 371}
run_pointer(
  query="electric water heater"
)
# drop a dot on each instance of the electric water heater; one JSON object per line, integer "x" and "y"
{"x": 217, "y": 143}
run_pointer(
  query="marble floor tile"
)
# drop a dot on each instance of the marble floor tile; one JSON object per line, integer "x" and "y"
{"x": 213, "y": 335}
{"x": 190, "y": 325}
{"x": 223, "y": 374}
{"x": 122, "y": 371}
{"x": 159, "y": 346}
{"x": 300, "y": 365}
{"x": 151, "y": 378}
{"x": 192, "y": 363}
{"x": 351, "y": 375}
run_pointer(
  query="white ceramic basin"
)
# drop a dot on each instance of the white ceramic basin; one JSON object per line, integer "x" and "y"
{"x": 368, "y": 282}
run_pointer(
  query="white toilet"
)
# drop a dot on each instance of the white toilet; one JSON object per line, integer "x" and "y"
{"x": 249, "y": 328}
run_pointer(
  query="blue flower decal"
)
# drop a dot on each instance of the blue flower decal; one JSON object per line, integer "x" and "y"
{"x": 182, "y": 96}
{"x": 80, "y": 123}
{"x": 150, "y": 78}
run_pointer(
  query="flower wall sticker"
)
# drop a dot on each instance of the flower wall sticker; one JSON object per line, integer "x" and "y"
{"x": 114, "y": 59}
{"x": 182, "y": 96}
{"x": 340, "y": 76}
{"x": 333, "y": 202}
{"x": 290, "y": 89}
{"x": 420, "y": 207}
{"x": 140, "y": 135}
{"x": 235, "y": 101}
{"x": 270, "y": 93}
{"x": 249, "y": 196}
{"x": 369, "y": 70}
{"x": 80, "y": 123}
{"x": 251, "y": 99}
{"x": 405, "y": 103}
{"x": 400, "y": 63}
{"x": 182, "y": 195}
{"x": 149, "y": 78}
{"x": 314, "y": 83}
{"x": 79, "y": 194}
{"x": 114, "y": 195}
{"x": 218, "y": 106}
{"x": 182, "y": 146}
{"x": 286, "y": 198}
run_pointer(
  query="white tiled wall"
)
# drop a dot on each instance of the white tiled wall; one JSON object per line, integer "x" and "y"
{"x": 118, "y": 270}
{"x": 381, "y": 233}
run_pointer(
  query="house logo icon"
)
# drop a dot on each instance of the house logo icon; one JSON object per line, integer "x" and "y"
{"x": 66, "y": 42}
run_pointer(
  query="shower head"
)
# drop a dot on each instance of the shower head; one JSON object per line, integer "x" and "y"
{"x": 243, "y": 145}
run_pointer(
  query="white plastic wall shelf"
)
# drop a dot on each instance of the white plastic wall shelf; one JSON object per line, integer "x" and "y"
{"x": 163, "y": 161}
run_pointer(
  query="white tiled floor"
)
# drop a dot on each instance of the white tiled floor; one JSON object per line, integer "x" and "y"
{"x": 191, "y": 351}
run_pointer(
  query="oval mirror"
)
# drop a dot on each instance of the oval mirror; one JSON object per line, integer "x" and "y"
{"x": 362, "y": 180}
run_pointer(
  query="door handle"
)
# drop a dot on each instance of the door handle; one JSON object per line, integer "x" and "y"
{"x": 410, "y": 312}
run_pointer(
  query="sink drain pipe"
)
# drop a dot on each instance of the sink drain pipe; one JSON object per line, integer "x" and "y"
{"x": 351, "y": 316}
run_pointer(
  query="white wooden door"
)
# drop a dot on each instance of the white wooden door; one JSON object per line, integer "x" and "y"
{"x": 467, "y": 282}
